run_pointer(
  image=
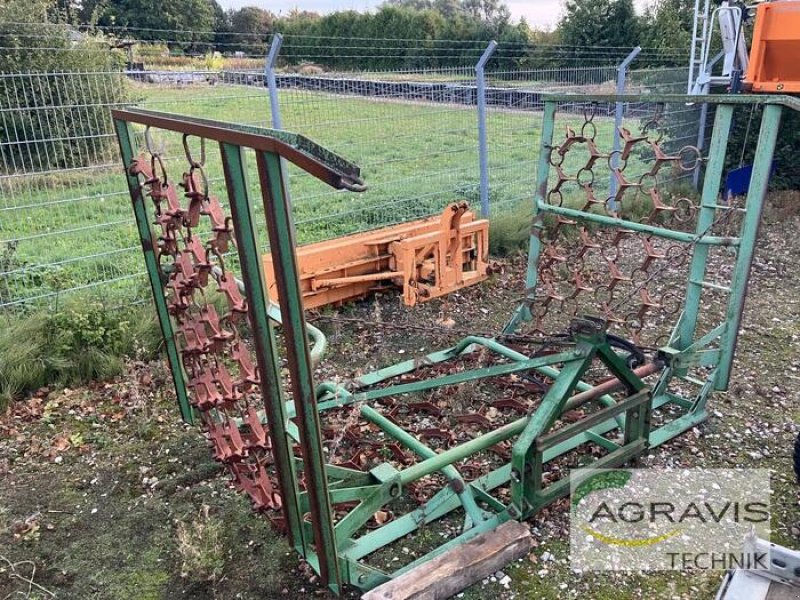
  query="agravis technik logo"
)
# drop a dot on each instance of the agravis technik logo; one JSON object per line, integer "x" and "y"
{"x": 645, "y": 519}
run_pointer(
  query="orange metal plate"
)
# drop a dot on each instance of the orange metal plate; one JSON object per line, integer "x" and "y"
{"x": 350, "y": 267}
{"x": 775, "y": 52}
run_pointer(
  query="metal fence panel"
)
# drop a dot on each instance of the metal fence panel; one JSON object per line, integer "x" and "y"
{"x": 64, "y": 219}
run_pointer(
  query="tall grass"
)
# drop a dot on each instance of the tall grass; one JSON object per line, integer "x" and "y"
{"x": 82, "y": 342}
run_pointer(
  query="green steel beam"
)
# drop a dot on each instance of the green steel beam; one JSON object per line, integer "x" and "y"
{"x": 282, "y": 244}
{"x": 244, "y": 222}
{"x": 463, "y": 491}
{"x": 523, "y": 311}
{"x": 705, "y": 221}
{"x": 719, "y": 99}
{"x": 756, "y": 194}
{"x": 670, "y": 234}
{"x": 125, "y": 137}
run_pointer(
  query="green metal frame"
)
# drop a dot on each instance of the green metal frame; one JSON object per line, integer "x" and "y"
{"x": 336, "y": 549}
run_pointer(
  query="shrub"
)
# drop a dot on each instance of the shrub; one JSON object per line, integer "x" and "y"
{"x": 510, "y": 230}
{"x": 81, "y": 342}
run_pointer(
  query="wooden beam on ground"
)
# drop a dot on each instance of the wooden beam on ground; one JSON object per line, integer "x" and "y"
{"x": 457, "y": 569}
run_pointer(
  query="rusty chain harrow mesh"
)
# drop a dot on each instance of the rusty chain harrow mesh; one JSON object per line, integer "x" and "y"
{"x": 222, "y": 375}
{"x": 634, "y": 280}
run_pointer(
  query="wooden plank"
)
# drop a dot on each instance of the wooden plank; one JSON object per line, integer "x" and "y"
{"x": 457, "y": 569}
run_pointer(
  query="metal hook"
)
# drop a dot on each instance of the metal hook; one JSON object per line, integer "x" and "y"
{"x": 148, "y": 143}
{"x": 188, "y": 152}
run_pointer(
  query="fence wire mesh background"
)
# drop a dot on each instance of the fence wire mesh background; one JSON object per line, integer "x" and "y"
{"x": 65, "y": 218}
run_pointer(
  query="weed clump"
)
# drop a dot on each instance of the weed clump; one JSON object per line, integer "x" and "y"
{"x": 82, "y": 341}
{"x": 509, "y": 231}
{"x": 200, "y": 548}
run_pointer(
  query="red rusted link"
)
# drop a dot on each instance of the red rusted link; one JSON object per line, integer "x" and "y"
{"x": 197, "y": 199}
{"x": 255, "y": 482}
{"x": 553, "y": 253}
{"x": 209, "y": 318}
{"x": 206, "y": 394}
{"x": 434, "y": 433}
{"x": 141, "y": 166}
{"x": 622, "y": 184}
{"x": 213, "y": 210}
{"x": 216, "y": 434}
{"x": 185, "y": 266}
{"x": 469, "y": 472}
{"x": 661, "y": 158}
{"x": 503, "y": 450}
{"x": 181, "y": 300}
{"x": 562, "y": 179}
{"x": 616, "y": 275}
{"x": 400, "y": 454}
{"x": 196, "y": 341}
{"x": 651, "y": 252}
{"x": 424, "y": 407}
{"x": 168, "y": 241}
{"x": 195, "y": 247}
{"x": 248, "y": 376}
{"x": 587, "y": 241}
{"x": 257, "y": 436}
{"x": 222, "y": 239}
{"x": 647, "y": 302}
{"x": 353, "y": 434}
{"x": 226, "y": 284}
{"x": 237, "y": 444}
{"x": 580, "y": 286}
{"x": 223, "y": 379}
{"x": 160, "y": 193}
{"x": 476, "y": 419}
{"x": 562, "y": 220}
{"x": 512, "y": 404}
{"x": 658, "y": 203}
{"x": 355, "y": 462}
{"x": 629, "y": 141}
{"x": 609, "y": 315}
{"x": 571, "y": 138}
{"x": 552, "y": 294}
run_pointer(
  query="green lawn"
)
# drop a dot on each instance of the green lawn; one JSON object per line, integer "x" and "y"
{"x": 75, "y": 229}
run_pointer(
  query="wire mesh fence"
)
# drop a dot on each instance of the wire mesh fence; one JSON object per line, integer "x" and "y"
{"x": 65, "y": 217}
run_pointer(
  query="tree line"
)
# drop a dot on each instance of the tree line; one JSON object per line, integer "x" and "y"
{"x": 445, "y": 32}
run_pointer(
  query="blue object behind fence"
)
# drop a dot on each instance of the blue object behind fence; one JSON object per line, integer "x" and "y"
{"x": 738, "y": 180}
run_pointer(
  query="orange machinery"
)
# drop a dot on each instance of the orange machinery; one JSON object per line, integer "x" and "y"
{"x": 426, "y": 258}
{"x": 774, "y": 64}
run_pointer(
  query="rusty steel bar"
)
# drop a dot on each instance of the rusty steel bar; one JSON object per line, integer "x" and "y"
{"x": 612, "y": 384}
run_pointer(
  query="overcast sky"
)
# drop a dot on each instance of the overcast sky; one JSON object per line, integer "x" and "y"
{"x": 538, "y": 13}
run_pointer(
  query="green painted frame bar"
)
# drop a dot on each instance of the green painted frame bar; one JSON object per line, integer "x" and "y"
{"x": 235, "y": 171}
{"x": 282, "y": 245}
{"x": 730, "y": 99}
{"x": 670, "y": 234}
{"x": 711, "y": 186}
{"x": 756, "y": 194}
{"x": 125, "y": 137}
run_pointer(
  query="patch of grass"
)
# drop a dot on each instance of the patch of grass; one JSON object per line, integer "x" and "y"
{"x": 200, "y": 547}
{"x": 81, "y": 342}
{"x": 510, "y": 230}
